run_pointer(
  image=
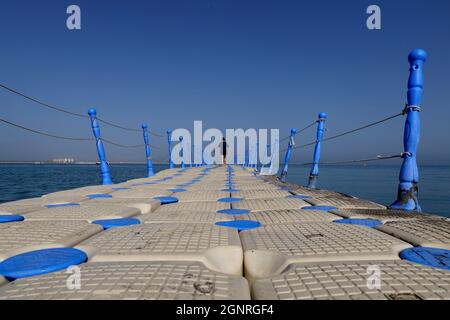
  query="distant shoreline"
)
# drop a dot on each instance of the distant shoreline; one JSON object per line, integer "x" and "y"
{"x": 71, "y": 164}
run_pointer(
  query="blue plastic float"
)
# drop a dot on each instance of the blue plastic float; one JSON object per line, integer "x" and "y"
{"x": 114, "y": 223}
{"x": 166, "y": 200}
{"x": 11, "y": 218}
{"x": 234, "y": 212}
{"x": 433, "y": 257}
{"x": 240, "y": 225}
{"x": 39, "y": 262}
{"x": 371, "y": 223}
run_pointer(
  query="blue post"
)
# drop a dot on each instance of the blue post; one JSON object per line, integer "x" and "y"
{"x": 104, "y": 167}
{"x": 288, "y": 155}
{"x": 169, "y": 140}
{"x": 407, "y": 197}
{"x": 148, "y": 151}
{"x": 182, "y": 153}
{"x": 314, "y": 173}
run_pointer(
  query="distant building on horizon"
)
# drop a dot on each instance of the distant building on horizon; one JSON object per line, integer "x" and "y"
{"x": 64, "y": 160}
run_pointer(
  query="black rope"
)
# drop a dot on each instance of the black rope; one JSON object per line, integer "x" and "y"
{"x": 126, "y": 146}
{"x": 359, "y": 160}
{"x": 70, "y": 138}
{"x": 80, "y": 115}
{"x": 300, "y": 131}
{"x": 352, "y": 131}
{"x": 44, "y": 133}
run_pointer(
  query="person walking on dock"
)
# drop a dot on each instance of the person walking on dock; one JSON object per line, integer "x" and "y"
{"x": 224, "y": 151}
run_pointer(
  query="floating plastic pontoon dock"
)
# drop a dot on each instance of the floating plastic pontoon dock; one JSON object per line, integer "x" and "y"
{"x": 256, "y": 242}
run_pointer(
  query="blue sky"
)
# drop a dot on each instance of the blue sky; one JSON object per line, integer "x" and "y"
{"x": 232, "y": 64}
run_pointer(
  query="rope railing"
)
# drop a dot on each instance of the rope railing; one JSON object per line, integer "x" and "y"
{"x": 46, "y": 134}
{"x": 43, "y": 133}
{"x": 377, "y": 158}
{"x": 351, "y": 131}
{"x": 75, "y": 114}
{"x": 300, "y": 131}
{"x": 407, "y": 196}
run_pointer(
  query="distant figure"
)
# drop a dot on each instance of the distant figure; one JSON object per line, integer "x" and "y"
{"x": 224, "y": 151}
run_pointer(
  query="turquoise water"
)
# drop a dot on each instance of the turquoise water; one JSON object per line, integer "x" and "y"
{"x": 376, "y": 183}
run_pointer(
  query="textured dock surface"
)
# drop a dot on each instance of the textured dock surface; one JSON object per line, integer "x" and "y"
{"x": 222, "y": 233}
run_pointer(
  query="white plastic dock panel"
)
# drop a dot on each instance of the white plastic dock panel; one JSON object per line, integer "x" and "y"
{"x": 43, "y": 201}
{"x": 18, "y": 208}
{"x": 270, "y": 204}
{"x": 132, "y": 281}
{"x": 400, "y": 280}
{"x": 205, "y": 187}
{"x": 262, "y": 194}
{"x": 19, "y": 237}
{"x": 255, "y": 186}
{"x": 289, "y": 216}
{"x": 345, "y": 203}
{"x": 378, "y": 214}
{"x": 144, "y": 205}
{"x": 218, "y": 248}
{"x": 184, "y": 217}
{"x": 425, "y": 233}
{"x": 213, "y": 206}
{"x": 141, "y": 193}
{"x": 270, "y": 249}
{"x": 80, "y": 191}
{"x": 83, "y": 213}
{"x": 318, "y": 193}
{"x": 200, "y": 196}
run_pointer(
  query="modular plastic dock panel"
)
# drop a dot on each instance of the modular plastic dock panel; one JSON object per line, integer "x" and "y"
{"x": 433, "y": 233}
{"x": 270, "y": 204}
{"x": 84, "y": 191}
{"x": 399, "y": 280}
{"x": 84, "y": 213}
{"x": 319, "y": 193}
{"x": 19, "y": 237}
{"x": 194, "y": 207}
{"x": 345, "y": 203}
{"x": 44, "y": 201}
{"x": 270, "y": 249}
{"x": 184, "y": 217}
{"x": 200, "y": 196}
{"x": 133, "y": 281}
{"x": 18, "y": 209}
{"x": 218, "y": 248}
{"x": 141, "y": 193}
{"x": 290, "y": 216}
{"x": 193, "y": 249}
{"x": 262, "y": 194}
{"x": 255, "y": 186}
{"x": 144, "y": 205}
{"x": 380, "y": 214}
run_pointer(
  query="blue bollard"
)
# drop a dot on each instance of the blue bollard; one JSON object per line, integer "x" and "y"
{"x": 314, "y": 173}
{"x": 407, "y": 196}
{"x": 169, "y": 140}
{"x": 148, "y": 152}
{"x": 182, "y": 153}
{"x": 288, "y": 155}
{"x": 104, "y": 167}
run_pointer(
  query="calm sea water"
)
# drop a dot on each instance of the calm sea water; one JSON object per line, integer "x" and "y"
{"x": 376, "y": 183}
